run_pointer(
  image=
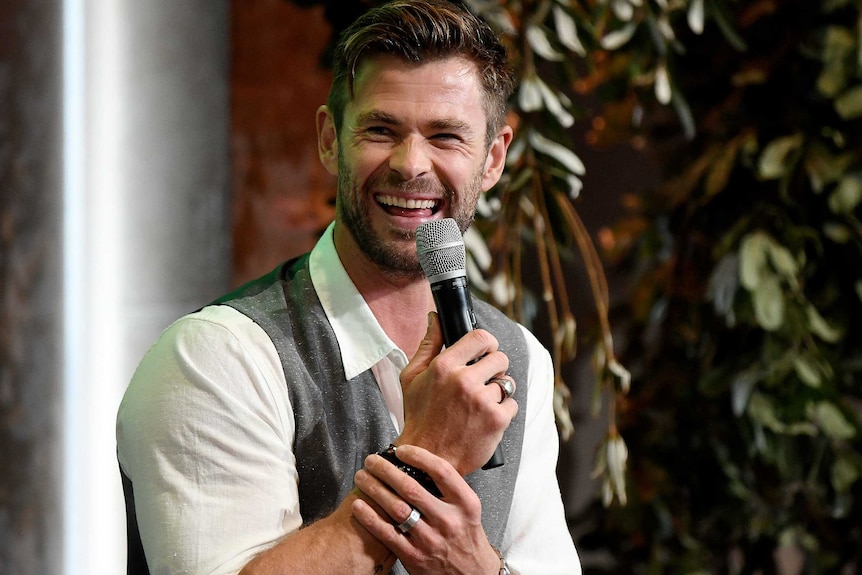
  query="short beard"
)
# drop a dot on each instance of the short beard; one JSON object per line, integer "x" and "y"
{"x": 353, "y": 213}
{"x": 352, "y": 209}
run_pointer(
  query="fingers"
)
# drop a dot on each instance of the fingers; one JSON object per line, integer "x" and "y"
{"x": 427, "y": 534}
{"x": 429, "y": 348}
{"x": 384, "y": 529}
{"x": 449, "y": 408}
{"x": 450, "y": 483}
{"x": 476, "y": 345}
{"x": 393, "y": 508}
{"x": 394, "y": 504}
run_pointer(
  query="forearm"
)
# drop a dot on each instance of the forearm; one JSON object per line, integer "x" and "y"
{"x": 337, "y": 544}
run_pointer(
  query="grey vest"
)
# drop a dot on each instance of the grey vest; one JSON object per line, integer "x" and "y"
{"x": 339, "y": 422}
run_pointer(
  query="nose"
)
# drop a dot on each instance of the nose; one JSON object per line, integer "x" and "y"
{"x": 410, "y": 159}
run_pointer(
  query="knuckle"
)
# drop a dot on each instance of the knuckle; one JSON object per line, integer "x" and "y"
{"x": 501, "y": 419}
{"x": 502, "y": 359}
{"x": 440, "y": 367}
{"x": 485, "y": 338}
{"x": 411, "y": 491}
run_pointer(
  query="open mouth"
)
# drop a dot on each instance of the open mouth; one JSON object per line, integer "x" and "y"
{"x": 408, "y": 206}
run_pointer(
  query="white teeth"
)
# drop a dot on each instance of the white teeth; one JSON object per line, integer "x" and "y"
{"x": 410, "y": 204}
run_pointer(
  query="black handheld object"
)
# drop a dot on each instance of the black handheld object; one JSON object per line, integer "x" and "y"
{"x": 440, "y": 247}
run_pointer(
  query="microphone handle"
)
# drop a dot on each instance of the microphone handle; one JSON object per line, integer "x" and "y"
{"x": 455, "y": 310}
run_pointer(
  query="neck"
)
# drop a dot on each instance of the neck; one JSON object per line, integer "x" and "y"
{"x": 402, "y": 314}
{"x": 399, "y": 302}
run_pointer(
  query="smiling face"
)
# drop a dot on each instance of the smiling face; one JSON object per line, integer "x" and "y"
{"x": 412, "y": 148}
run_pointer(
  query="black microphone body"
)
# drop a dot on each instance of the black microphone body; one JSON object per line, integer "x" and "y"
{"x": 454, "y": 307}
{"x": 452, "y": 298}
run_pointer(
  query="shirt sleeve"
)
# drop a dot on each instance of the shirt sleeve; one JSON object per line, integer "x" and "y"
{"x": 537, "y": 538}
{"x": 205, "y": 433}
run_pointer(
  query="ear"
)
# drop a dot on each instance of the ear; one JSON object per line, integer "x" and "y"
{"x": 496, "y": 160}
{"x": 327, "y": 140}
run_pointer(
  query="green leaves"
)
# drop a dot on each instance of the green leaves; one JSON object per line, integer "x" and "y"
{"x": 759, "y": 219}
{"x": 831, "y": 421}
{"x": 771, "y": 274}
{"x": 847, "y": 195}
{"x": 779, "y": 156}
{"x": 837, "y": 57}
{"x": 567, "y": 30}
{"x": 764, "y": 267}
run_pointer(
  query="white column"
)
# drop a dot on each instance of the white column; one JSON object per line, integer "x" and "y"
{"x": 146, "y": 232}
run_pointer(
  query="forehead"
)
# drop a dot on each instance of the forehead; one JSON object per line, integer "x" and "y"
{"x": 445, "y": 88}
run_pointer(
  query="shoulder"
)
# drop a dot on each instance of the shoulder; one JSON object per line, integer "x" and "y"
{"x": 202, "y": 358}
{"x": 208, "y": 331}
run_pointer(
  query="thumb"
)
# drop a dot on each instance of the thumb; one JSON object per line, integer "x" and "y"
{"x": 429, "y": 348}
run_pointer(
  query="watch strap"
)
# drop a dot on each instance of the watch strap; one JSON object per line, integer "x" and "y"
{"x": 504, "y": 566}
{"x": 421, "y": 477}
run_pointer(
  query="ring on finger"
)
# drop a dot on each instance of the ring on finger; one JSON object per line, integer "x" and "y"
{"x": 507, "y": 386}
{"x": 411, "y": 520}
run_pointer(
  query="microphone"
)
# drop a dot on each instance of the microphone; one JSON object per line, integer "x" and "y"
{"x": 440, "y": 247}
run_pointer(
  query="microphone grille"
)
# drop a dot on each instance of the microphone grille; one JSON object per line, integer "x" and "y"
{"x": 440, "y": 247}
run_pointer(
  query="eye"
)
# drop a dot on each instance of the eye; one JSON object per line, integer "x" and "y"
{"x": 447, "y": 137}
{"x": 378, "y": 132}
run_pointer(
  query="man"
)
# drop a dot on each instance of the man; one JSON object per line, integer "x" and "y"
{"x": 249, "y": 436}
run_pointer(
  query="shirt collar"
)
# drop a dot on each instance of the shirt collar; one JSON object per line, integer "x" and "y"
{"x": 362, "y": 341}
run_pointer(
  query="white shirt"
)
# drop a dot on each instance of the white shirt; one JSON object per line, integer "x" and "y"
{"x": 205, "y": 432}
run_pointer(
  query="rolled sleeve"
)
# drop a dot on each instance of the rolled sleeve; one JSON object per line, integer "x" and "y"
{"x": 204, "y": 432}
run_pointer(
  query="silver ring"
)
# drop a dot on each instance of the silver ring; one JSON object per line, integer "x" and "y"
{"x": 507, "y": 386}
{"x": 411, "y": 521}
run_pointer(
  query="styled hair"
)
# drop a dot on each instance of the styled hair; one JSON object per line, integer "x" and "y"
{"x": 420, "y": 31}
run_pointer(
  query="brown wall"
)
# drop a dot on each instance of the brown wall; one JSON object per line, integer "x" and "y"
{"x": 281, "y": 192}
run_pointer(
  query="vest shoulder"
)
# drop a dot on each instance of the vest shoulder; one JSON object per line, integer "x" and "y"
{"x": 283, "y": 272}
{"x": 490, "y": 315}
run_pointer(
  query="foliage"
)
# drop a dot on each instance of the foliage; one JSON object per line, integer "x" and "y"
{"x": 747, "y": 272}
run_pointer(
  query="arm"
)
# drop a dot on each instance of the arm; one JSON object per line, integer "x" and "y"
{"x": 537, "y": 539}
{"x": 459, "y": 420}
{"x": 205, "y": 433}
{"x": 449, "y": 409}
{"x": 335, "y": 544}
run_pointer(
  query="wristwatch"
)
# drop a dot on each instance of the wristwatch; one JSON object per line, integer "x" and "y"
{"x": 504, "y": 566}
{"x": 419, "y": 475}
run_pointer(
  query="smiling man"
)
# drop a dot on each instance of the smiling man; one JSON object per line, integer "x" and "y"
{"x": 312, "y": 421}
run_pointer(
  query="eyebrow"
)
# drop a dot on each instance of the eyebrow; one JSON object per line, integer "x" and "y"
{"x": 441, "y": 124}
{"x": 376, "y": 116}
{"x": 450, "y": 125}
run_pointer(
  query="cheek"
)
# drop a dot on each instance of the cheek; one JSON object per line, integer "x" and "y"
{"x": 366, "y": 164}
{"x": 455, "y": 169}
{"x": 466, "y": 176}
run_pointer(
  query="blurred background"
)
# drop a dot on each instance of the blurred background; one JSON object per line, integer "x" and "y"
{"x": 154, "y": 155}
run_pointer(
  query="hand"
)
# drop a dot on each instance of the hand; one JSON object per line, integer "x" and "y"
{"x": 448, "y": 408}
{"x": 448, "y": 537}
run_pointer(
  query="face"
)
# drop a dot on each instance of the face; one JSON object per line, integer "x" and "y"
{"x": 412, "y": 148}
